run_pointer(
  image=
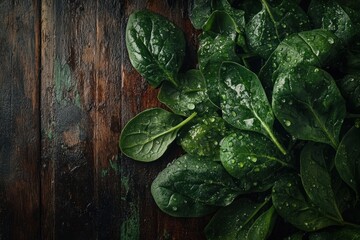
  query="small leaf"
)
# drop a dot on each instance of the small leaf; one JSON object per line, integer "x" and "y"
{"x": 147, "y": 136}
{"x": 190, "y": 95}
{"x": 309, "y": 105}
{"x": 213, "y": 50}
{"x": 204, "y": 136}
{"x": 235, "y": 220}
{"x": 200, "y": 12}
{"x": 263, "y": 225}
{"x": 316, "y": 179}
{"x": 350, "y": 89}
{"x": 191, "y": 187}
{"x": 272, "y": 24}
{"x": 252, "y": 158}
{"x": 292, "y": 205}
{"x": 244, "y": 103}
{"x": 156, "y": 47}
{"x": 347, "y": 159}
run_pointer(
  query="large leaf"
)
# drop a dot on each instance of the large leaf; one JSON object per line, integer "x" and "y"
{"x": 239, "y": 219}
{"x": 340, "y": 18}
{"x": 252, "y": 158}
{"x": 147, "y": 136}
{"x": 204, "y": 136}
{"x": 292, "y": 205}
{"x": 272, "y": 24}
{"x": 156, "y": 47}
{"x": 309, "y": 105}
{"x": 347, "y": 159}
{"x": 213, "y": 50}
{"x": 316, "y": 179}
{"x": 190, "y": 187}
{"x": 190, "y": 95}
{"x": 316, "y": 47}
{"x": 342, "y": 233}
{"x": 243, "y": 101}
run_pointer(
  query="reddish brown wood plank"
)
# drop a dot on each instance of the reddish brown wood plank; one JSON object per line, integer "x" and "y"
{"x": 80, "y": 119}
{"x": 141, "y": 219}
{"x": 19, "y": 118}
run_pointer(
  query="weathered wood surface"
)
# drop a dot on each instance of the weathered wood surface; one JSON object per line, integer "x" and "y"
{"x": 66, "y": 90}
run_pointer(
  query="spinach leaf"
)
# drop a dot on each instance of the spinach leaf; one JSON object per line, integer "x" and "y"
{"x": 146, "y": 137}
{"x": 347, "y": 159}
{"x": 244, "y": 103}
{"x": 309, "y": 105}
{"x": 316, "y": 47}
{"x": 339, "y": 18}
{"x": 220, "y": 22}
{"x": 156, "y": 47}
{"x": 316, "y": 179}
{"x": 272, "y": 24}
{"x": 191, "y": 186}
{"x": 295, "y": 236}
{"x": 292, "y": 205}
{"x": 200, "y": 12}
{"x": 350, "y": 88}
{"x": 213, "y": 50}
{"x": 345, "y": 197}
{"x": 252, "y": 158}
{"x": 239, "y": 219}
{"x": 337, "y": 234}
{"x": 190, "y": 95}
{"x": 204, "y": 136}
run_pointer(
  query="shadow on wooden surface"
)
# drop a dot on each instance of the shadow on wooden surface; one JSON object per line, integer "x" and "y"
{"x": 66, "y": 90}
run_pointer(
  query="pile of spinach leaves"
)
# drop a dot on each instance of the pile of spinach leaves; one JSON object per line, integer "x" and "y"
{"x": 268, "y": 121}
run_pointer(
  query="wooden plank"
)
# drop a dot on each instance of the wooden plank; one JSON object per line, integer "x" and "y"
{"x": 80, "y": 119}
{"x": 19, "y": 118}
{"x": 141, "y": 218}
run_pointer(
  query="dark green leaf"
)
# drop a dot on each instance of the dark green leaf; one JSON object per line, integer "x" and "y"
{"x": 296, "y": 236}
{"x": 252, "y": 158}
{"x": 190, "y": 95}
{"x": 308, "y": 104}
{"x": 263, "y": 225}
{"x": 200, "y": 12}
{"x": 190, "y": 187}
{"x": 213, "y": 50}
{"x": 272, "y": 24}
{"x": 243, "y": 101}
{"x": 343, "y": 233}
{"x": 220, "y": 22}
{"x": 156, "y": 47}
{"x": 292, "y": 205}
{"x": 347, "y": 159}
{"x": 338, "y": 18}
{"x": 350, "y": 88}
{"x": 316, "y": 179}
{"x": 316, "y": 47}
{"x": 203, "y": 137}
{"x": 235, "y": 221}
{"x": 147, "y": 136}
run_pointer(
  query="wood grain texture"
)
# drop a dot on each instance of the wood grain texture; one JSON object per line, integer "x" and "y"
{"x": 19, "y": 118}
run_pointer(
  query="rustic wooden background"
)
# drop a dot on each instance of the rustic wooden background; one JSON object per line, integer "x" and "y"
{"x": 66, "y": 90}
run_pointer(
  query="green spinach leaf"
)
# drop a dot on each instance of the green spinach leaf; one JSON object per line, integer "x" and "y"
{"x": 252, "y": 158}
{"x": 200, "y": 12}
{"x": 156, "y": 47}
{"x": 190, "y": 95}
{"x": 337, "y": 234}
{"x": 316, "y": 179}
{"x": 293, "y": 206}
{"x": 146, "y": 137}
{"x": 203, "y": 137}
{"x": 347, "y": 159}
{"x": 315, "y": 47}
{"x": 337, "y": 17}
{"x": 244, "y": 103}
{"x": 239, "y": 219}
{"x": 350, "y": 88}
{"x": 191, "y": 186}
{"x": 272, "y": 24}
{"x": 213, "y": 50}
{"x": 309, "y": 105}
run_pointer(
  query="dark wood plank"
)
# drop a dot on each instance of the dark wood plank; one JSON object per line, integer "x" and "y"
{"x": 80, "y": 118}
{"x": 141, "y": 219}
{"x": 19, "y": 118}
